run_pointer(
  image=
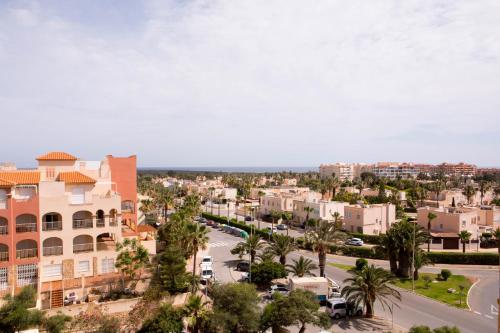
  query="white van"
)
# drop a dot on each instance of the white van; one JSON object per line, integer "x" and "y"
{"x": 206, "y": 273}
{"x": 337, "y": 308}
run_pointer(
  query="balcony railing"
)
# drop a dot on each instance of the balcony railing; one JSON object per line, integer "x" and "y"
{"x": 4, "y": 256}
{"x": 54, "y": 225}
{"x": 106, "y": 246}
{"x": 4, "y": 230}
{"x": 53, "y": 251}
{"x": 26, "y": 253}
{"x": 99, "y": 223}
{"x": 113, "y": 222}
{"x": 82, "y": 224}
{"x": 26, "y": 227}
{"x": 86, "y": 247}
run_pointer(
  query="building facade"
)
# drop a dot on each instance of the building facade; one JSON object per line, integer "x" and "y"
{"x": 321, "y": 210}
{"x": 369, "y": 219}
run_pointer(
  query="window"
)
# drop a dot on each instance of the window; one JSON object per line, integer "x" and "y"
{"x": 52, "y": 270}
{"x": 27, "y": 274}
{"x": 441, "y": 226}
{"x": 50, "y": 173}
{"x": 83, "y": 266}
{"x": 4, "y": 282}
{"x": 108, "y": 265}
{"x": 464, "y": 223}
{"x": 358, "y": 216}
{"x": 360, "y": 230}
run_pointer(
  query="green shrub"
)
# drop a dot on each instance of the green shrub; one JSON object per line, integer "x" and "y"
{"x": 361, "y": 263}
{"x": 369, "y": 239}
{"x": 426, "y": 329}
{"x": 264, "y": 272}
{"x": 420, "y": 329}
{"x": 445, "y": 274}
{"x": 361, "y": 252}
{"x": 463, "y": 258}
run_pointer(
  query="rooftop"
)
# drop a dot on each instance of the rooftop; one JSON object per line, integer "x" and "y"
{"x": 75, "y": 177}
{"x": 56, "y": 156}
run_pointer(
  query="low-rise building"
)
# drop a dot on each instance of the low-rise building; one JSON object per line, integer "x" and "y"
{"x": 321, "y": 209}
{"x": 369, "y": 219}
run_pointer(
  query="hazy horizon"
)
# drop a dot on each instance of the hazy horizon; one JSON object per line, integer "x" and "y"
{"x": 251, "y": 83}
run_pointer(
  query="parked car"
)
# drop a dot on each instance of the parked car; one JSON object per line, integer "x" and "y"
{"x": 210, "y": 222}
{"x": 203, "y": 220}
{"x": 282, "y": 226}
{"x": 355, "y": 242}
{"x": 206, "y": 273}
{"x": 276, "y": 288}
{"x": 243, "y": 266}
{"x": 270, "y": 230}
{"x": 245, "y": 277}
{"x": 207, "y": 260}
{"x": 338, "y": 308}
{"x": 248, "y": 218}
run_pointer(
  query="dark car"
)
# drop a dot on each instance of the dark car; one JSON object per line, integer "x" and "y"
{"x": 248, "y": 218}
{"x": 243, "y": 266}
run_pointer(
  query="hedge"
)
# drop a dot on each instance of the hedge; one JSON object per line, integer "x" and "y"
{"x": 370, "y": 239}
{"x": 244, "y": 227}
{"x": 464, "y": 258}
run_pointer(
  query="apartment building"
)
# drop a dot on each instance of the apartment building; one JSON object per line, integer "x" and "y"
{"x": 393, "y": 170}
{"x": 321, "y": 209}
{"x": 369, "y": 219}
{"x": 343, "y": 171}
{"x": 449, "y": 222}
{"x": 459, "y": 169}
{"x": 279, "y": 203}
{"x": 60, "y": 222}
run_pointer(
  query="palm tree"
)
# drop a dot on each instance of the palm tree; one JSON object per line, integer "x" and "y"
{"x": 437, "y": 187}
{"x": 388, "y": 246}
{"x": 302, "y": 267}
{"x": 197, "y": 239}
{"x": 219, "y": 199}
{"x": 430, "y": 216}
{"x": 321, "y": 238}
{"x": 275, "y": 216}
{"x": 287, "y": 216}
{"x": 496, "y": 234}
{"x": 211, "y": 191}
{"x": 252, "y": 244}
{"x": 195, "y": 308}
{"x": 147, "y": 208}
{"x": 469, "y": 192}
{"x": 337, "y": 220}
{"x": 421, "y": 260}
{"x": 281, "y": 246}
{"x": 308, "y": 210}
{"x": 484, "y": 186}
{"x": 369, "y": 285}
{"x": 464, "y": 236}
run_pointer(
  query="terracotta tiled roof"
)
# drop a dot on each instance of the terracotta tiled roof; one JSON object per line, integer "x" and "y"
{"x": 21, "y": 177}
{"x": 56, "y": 156}
{"x": 5, "y": 183}
{"x": 146, "y": 228}
{"x": 75, "y": 177}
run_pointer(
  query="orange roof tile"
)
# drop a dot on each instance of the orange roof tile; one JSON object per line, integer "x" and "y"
{"x": 5, "y": 183}
{"x": 146, "y": 228}
{"x": 75, "y": 177}
{"x": 56, "y": 156}
{"x": 21, "y": 177}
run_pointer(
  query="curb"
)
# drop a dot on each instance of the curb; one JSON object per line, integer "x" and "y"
{"x": 468, "y": 293}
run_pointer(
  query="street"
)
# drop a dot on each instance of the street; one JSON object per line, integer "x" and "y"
{"x": 412, "y": 310}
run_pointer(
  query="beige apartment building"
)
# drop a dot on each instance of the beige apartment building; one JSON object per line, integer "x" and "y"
{"x": 449, "y": 222}
{"x": 369, "y": 219}
{"x": 321, "y": 209}
{"x": 343, "y": 171}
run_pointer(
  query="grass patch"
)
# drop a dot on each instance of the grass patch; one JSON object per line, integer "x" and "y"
{"x": 439, "y": 290}
{"x": 341, "y": 266}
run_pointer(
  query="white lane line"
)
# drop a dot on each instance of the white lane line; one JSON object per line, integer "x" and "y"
{"x": 479, "y": 313}
{"x": 488, "y": 316}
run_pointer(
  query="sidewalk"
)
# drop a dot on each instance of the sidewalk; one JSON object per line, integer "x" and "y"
{"x": 354, "y": 325}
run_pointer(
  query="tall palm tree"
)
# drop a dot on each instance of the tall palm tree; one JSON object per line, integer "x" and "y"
{"x": 437, "y": 188}
{"x": 484, "y": 186}
{"x": 251, "y": 245}
{"x": 469, "y": 192}
{"x": 464, "y": 236}
{"x": 388, "y": 245}
{"x": 308, "y": 210}
{"x": 302, "y": 267}
{"x": 147, "y": 208}
{"x": 496, "y": 234}
{"x": 287, "y": 216}
{"x": 321, "y": 238}
{"x": 275, "y": 216}
{"x": 197, "y": 239}
{"x": 282, "y": 246}
{"x": 430, "y": 216}
{"x": 195, "y": 309}
{"x": 368, "y": 285}
{"x": 337, "y": 220}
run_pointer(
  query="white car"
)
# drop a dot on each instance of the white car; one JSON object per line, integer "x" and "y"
{"x": 355, "y": 242}
{"x": 207, "y": 260}
{"x": 206, "y": 273}
{"x": 338, "y": 307}
{"x": 277, "y": 289}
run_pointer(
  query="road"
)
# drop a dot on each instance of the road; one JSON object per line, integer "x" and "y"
{"x": 412, "y": 310}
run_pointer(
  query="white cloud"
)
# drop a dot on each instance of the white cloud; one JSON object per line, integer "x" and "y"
{"x": 255, "y": 82}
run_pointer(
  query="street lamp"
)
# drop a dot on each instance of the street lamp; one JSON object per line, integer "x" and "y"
{"x": 413, "y": 259}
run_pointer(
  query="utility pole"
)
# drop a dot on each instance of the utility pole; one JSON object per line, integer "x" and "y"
{"x": 250, "y": 265}
{"x": 413, "y": 259}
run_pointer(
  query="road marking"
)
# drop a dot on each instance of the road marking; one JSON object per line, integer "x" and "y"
{"x": 494, "y": 310}
{"x": 222, "y": 244}
{"x": 488, "y": 316}
{"x": 479, "y": 313}
{"x": 468, "y": 293}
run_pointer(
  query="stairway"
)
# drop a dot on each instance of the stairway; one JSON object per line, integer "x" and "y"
{"x": 56, "y": 298}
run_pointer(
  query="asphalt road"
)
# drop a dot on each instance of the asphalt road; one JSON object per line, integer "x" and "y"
{"x": 412, "y": 310}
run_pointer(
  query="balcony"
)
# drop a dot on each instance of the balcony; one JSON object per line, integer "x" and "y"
{"x": 50, "y": 226}
{"x": 27, "y": 253}
{"x": 99, "y": 223}
{"x": 83, "y": 224}
{"x": 85, "y": 247}
{"x": 52, "y": 251}
{"x": 4, "y": 230}
{"x": 26, "y": 227}
{"x": 4, "y": 256}
{"x": 113, "y": 222}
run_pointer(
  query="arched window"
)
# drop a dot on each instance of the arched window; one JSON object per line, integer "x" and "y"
{"x": 52, "y": 246}
{"x": 82, "y": 220}
{"x": 83, "y": 243}
{"x": 4, "y": 252}
{"x": 26, "y": 249}
{"x": 99, "y": 218}
{"x": 26, "y": 223}
{"x": 4, "y": 226}
{"x": 113, "y": 218}
{"x": 51, "y": 221}
{"x": 106, "y": 242}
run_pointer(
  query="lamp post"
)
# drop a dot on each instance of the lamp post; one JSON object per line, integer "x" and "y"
{"x": 413, "y": 259}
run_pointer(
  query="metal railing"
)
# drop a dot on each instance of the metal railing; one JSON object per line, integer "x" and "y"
{"x": 4, "y": 256}
{"x": 54, "y": 225}
{"x": 113, "y": 222}
{"x": 26, "y": 227}
{"x": 99, "y": 223}
{"x": 53, "y": 251}
{"x": 105, "y": 246}
{"x": 26, "y": 253}
{"x": 86, "y": 247}
{"x": 4, "y": 230}
{"x": 82, "y": 223}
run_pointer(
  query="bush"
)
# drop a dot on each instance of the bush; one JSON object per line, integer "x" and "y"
{"x": 426, "y": 329}
{"x": 420, "y": 329}
{"x": 361, "y": 252}
{"x": 245, "y": 227}
{"x": 263, "y": 273}
{"x": 445, "y": 274}
{"x": 463, "y": 258}
{"x": 370, "y": 239}
{"x": 361, "y": 263}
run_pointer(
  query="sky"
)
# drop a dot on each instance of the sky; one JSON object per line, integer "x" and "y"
{"x": 251, "y": 82}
